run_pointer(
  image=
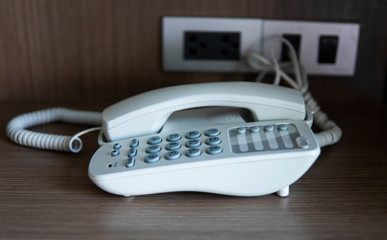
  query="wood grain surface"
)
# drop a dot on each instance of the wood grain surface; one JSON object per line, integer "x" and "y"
{"x": 102, "y": 51}
{"x": 48, "y": 195}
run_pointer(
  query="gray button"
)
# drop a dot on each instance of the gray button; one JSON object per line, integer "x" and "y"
{"x": 173, "y": 155}
{"x": 193, "y": 152}
{"x": 213, "y": 141}
{"x": 241, "y": 130}
{"x": 132, "y": 152}
{"x": 212, "y": 132}
{"x": 152, "y": 158}
{"x": 115, "y": 153}
{"x": 134, "y": 143}
{"x": 192, "y": 135}
{"x": 174, "y": 137}
{"x": 282, "y": 127}
{"x": 302, "y": 142}
{"x": 213, "y": 150}
{"x": 255, "y": 129}
{"x": 153, "y": 149}
{"x": 173, "y": 146}
{"x": 269, "y": 128}
{"x": 117, "y": 146}
{"x": 130, "y": 162}
{"x": 154, "y": 140}
{"x": 193, "y": 143}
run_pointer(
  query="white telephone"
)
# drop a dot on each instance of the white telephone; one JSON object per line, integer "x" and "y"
{"x": 149, "y": 153}
{"x": 193, "y": 137}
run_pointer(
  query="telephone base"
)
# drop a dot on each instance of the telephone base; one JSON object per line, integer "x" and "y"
{"x": 237, "y": 159}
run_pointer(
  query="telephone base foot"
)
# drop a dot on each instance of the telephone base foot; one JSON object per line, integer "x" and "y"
{"x": 284, "y": 192}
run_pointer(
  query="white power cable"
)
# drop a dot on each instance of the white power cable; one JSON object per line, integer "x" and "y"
{"x": 331, "y": 133}
{"x": 17, "y": 132}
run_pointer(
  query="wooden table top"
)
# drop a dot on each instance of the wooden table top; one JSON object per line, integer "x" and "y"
{"x": 48, "y": 195}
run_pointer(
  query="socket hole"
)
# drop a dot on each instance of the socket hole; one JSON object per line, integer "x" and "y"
{"x": 192, "y": 51}
{"x": 225, "y": 52}
{"x": 110, "y": 165}
{"x": 203, "y": 45}
{"x": 192, "y": 38}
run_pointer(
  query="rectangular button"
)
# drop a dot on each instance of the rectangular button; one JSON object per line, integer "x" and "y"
{"x": 327, "y": 50}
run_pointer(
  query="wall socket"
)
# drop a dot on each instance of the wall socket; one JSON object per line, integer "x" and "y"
{"x": 221, "y": 44}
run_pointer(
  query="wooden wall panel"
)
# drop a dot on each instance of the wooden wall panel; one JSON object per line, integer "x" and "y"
{"x": 103, "y": 51}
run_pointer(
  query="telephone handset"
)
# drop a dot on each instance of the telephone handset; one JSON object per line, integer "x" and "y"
{"x": 146, "y": 113}
{"x": 235, "y": 158}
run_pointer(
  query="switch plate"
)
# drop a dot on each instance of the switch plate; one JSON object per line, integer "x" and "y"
{"x": 258, "y": 35}
{"x": 173, "y": 39}
{"x": 310, "y": 32}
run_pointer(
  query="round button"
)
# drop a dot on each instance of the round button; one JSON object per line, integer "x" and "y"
{"x": 153, "y": 149}
{"x": 174, "y": 137}
{"x": 269, "y": 128}
{"x": 115, "y": 153}
{"x": 302, "y": 142}
{"x": 193, "y": 143}
{"x": 241, "y": 130}
{"x": 173, "y": 146}
{"x": 282, "y": 127}
{"x": 117, "y": 146}
{"x": 192, "y": 135}
{"x": 212, "y": 132}
{"x": 193, "y": 152}
{"x": 255, "y": 129}
{"x": 154, "y": 140}
{"x": 173, "y": 155}
{"x": 152, "y": 158}
{"x": 213, "y": 141}
{"x": 213, "y": 150}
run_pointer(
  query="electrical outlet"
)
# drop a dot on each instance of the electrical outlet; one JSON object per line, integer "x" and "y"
{"x": 211, "y": 45}
{"x": 324, "y": 48}
{"x": 221, "y": 44}
{"x": 208, "y": 44}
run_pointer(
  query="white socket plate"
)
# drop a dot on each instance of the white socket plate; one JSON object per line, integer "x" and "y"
{"x": 173, "y": 42}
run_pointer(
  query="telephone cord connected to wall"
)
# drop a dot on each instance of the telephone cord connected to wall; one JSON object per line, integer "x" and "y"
{"x": 331, "y": 133}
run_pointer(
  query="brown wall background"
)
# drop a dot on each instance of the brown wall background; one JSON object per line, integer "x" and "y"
{"x": 66, "y": 51}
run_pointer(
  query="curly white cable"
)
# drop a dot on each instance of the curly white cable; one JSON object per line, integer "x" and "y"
{"x": 17, "y": 132}
{"x": 331, "y": 133}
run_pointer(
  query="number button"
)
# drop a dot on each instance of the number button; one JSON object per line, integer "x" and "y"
{"x": 174, "y": 137}
{"x": 130, "y": 162}
{"x": 154, "y": 140}
{"x": 153, "y": 149}
{"x": 152, "y": 158}
{"x": 213, "y": 150}
{"x": 173, "y": 146}
{"x": 193, "y": 152}
{"x": 212, "y": 132}
{"x": 173, "y": 155}
{"x": 213, "y": 141}
{"x": 193, "y": 143}
{"x": 192, "y": 135}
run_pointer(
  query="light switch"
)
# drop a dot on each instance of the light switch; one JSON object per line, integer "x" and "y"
{"x": 327, "y": 50}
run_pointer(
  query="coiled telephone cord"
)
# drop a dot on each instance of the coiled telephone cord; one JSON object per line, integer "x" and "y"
{"x": 331, "y": 132}
{"x": 17, "y": 131}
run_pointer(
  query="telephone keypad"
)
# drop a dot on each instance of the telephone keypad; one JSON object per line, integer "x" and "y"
{"x": 242, "y": 139}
